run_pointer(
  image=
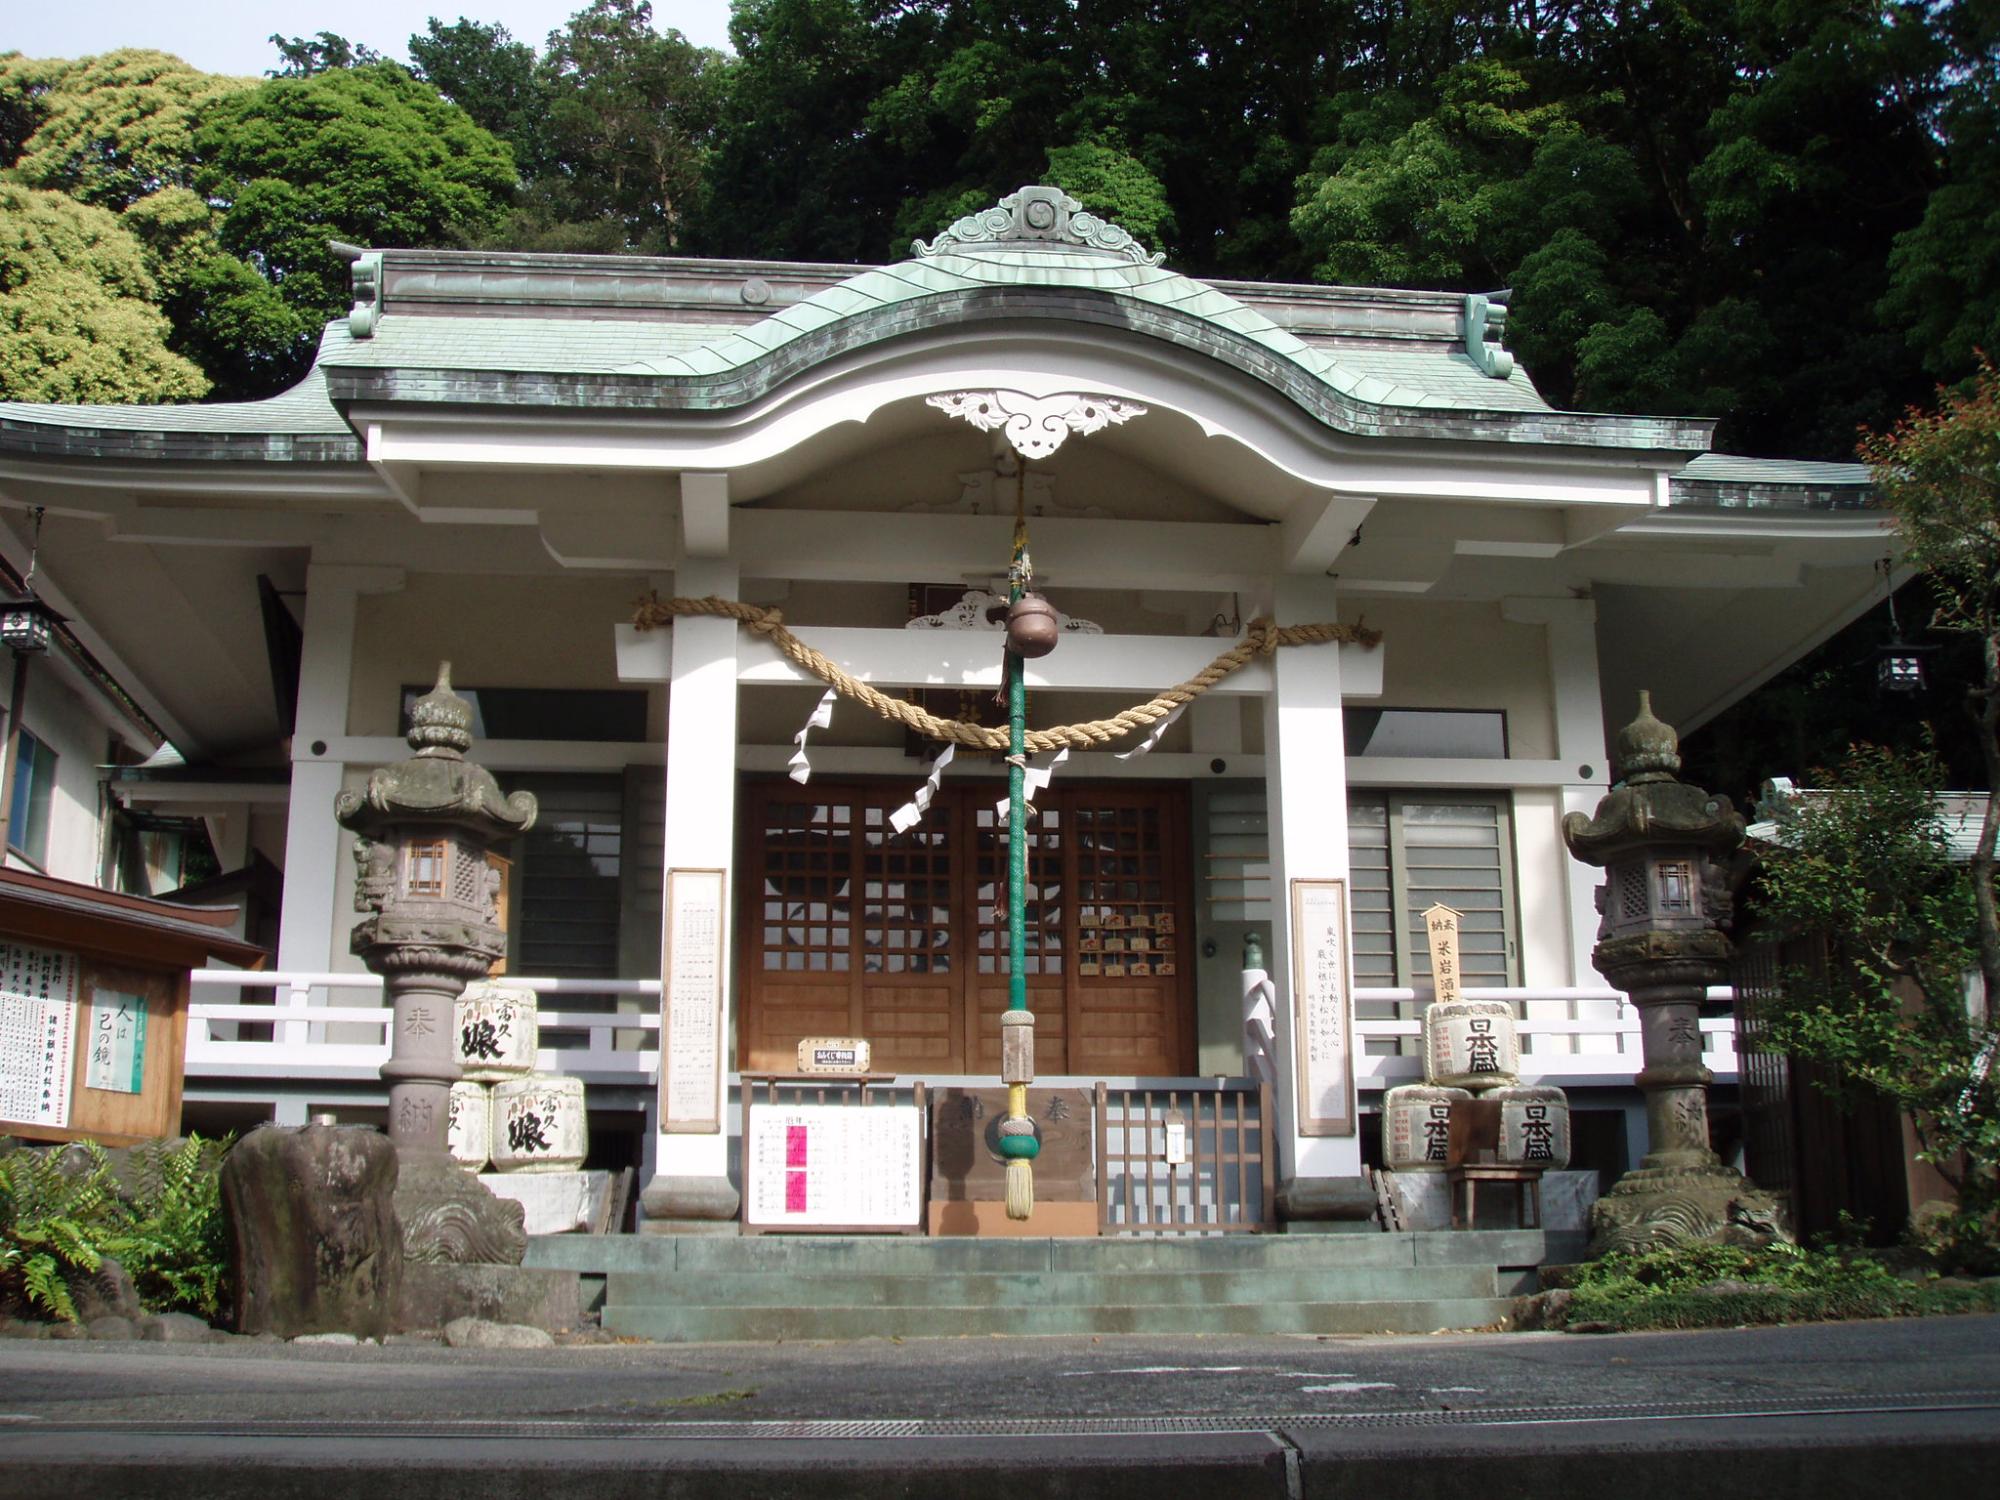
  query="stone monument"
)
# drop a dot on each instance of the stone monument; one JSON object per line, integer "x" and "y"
{"x": 430, "y": 923}
{"x": 1665, "y": 903}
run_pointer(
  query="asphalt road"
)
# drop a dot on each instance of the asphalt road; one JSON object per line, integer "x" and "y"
{"x": 1910, "y": 1407}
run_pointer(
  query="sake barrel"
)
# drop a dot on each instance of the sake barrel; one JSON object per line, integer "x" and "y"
{"x": 496, "y": 1031}
{"x": 1416, "y": 1126}
{"x": 469, "y": 1124}
{"x": 1470, "y": 1044}
{"x": 1534, "y": 1125}
{"x": 538, "y": 1124}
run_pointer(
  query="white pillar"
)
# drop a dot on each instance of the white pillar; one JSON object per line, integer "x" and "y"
{"x": 690, "y": 1187}
{"x": 1306, "y": 779}
{"x": 312, "y": 839}
{"x": 1571, "y": 626}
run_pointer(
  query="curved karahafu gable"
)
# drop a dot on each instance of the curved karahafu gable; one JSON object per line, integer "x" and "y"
{"x": 628, "y": 334}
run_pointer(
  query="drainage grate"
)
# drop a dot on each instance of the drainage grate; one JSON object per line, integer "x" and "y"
{"x": 824, "y": 1430}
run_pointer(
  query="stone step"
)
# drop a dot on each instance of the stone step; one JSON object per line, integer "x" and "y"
{"x": 1054, "y": 1288}
{"x": 769, "y": 1324}
{"x": 893, "y": 1255}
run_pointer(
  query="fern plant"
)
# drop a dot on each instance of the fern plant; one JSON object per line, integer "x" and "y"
{"x": 62, "y": 1212}
{"x": 58, "y": 1218}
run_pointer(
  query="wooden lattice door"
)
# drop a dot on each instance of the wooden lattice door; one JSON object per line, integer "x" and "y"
{"x": 851, "y": 929}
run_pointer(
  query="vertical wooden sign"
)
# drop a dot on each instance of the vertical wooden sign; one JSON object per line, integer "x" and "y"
{"x": 1320, "y": 1008}
{"x": 691, "y": 1039}
{"x": 1441, "y": 929}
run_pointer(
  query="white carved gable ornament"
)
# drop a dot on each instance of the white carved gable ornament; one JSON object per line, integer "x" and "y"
{"x": 1037, "y": 425}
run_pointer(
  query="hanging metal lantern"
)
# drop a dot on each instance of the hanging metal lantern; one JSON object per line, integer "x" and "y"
{"x": 1032, "y": 626}
{"x": 1899, "y": 667}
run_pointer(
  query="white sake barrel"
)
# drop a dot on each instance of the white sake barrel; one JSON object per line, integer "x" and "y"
{"x": 1416, "y": 1126}
{"x": 496, "y": 1031}
{"x": 1534, "y": 1126}
{"x": 1470, "y": 1044}
{"x": 469, "y": 1124}
{"x": 538, "y": 1124}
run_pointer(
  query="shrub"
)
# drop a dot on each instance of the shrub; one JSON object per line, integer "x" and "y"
{"x": 63, "y": 1211}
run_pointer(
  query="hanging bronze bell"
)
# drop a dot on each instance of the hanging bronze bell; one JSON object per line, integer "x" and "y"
{"x": 1031, "y": 626}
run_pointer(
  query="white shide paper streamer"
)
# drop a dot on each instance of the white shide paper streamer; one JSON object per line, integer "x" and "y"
{"x": 1152, "y": 741}
{"x": 1033, "y": 779}
{"x": 819, "y": 718}
{"x": 906, "y": 817}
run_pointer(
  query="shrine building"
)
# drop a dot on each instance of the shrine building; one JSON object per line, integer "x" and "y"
{"x": 496, "y": 457}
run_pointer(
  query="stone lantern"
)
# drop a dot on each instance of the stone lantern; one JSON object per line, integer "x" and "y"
{"x": 1663, "y": 846}
{"x": 429, "y": 904}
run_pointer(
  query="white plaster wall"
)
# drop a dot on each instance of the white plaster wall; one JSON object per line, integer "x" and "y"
{"x": 59, "y": 719}
{"x": 1449, "y": 654}
{"x": 1093, "y": 475}
{"x": 497, "y": 631}
{"x": 1540, "y": 889}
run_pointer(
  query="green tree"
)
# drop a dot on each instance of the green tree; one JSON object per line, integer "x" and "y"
{"x": 631, "y": 117}
{"x": 492, "y": 77}
{"x": 108, "y": 130}
{"x": 302, "y": 57}
{"x": 1938, "y": 472}
{"x": 77, "y": 320}
{"x": 369, "y": 155}
{"x": 1864, "y": 871}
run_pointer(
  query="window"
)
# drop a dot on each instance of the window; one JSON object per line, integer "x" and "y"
{"x": 567, "y": 895}
{"x": 615, "y": 715}
{"x": 1409, "y": 851}
{"x": 34, "y": 785}
{"x": 1444, "y": 733}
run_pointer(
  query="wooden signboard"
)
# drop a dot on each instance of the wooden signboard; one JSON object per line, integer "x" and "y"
{"x": 1321, "y": 1004}
{"x": 94, "y": 1007}
{"x": 1441, "y": 933}
{"x": 691, "y": 1040}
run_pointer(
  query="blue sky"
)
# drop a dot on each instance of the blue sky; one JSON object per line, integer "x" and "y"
{"x": 229, "y": 36}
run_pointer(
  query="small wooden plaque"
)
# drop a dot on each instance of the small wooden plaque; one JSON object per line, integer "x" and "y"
{"x": 833, "y": 1054}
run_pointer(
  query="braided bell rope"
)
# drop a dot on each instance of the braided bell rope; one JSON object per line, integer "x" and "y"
{"x": 1261, "y": 638}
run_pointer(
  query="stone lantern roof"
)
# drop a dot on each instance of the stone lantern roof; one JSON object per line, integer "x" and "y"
{"x": 1651, "y": 806}
{"x": 437, "y": 784}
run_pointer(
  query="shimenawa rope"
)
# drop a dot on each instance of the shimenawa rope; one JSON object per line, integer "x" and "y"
{"x": 1261, "y": 638}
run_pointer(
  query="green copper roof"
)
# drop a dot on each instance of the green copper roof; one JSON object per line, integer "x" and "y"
{"x": 658, "y": 336}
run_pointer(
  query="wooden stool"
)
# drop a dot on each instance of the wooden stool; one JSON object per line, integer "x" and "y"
{"x": 1463, "y": 1181}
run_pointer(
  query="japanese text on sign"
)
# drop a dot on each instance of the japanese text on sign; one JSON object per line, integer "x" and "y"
{"x": 1320, "y": 1007}
{"x": 816, "y": 1165}
{"x": 37, "y": 1034}
{"x": 117, "y": 1062}
{"x": 691, "y": 1029}
{"x": 1441, "y": 931}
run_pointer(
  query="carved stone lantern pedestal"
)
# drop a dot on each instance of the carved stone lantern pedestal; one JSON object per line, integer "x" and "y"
{"x": 1665, "y": 902}
{"x": 430, "y": 924}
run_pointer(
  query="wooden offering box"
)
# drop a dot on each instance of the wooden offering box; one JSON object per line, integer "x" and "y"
{"x": 94, "y": 1007}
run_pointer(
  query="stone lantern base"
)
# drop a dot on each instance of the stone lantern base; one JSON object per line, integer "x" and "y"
{"x": 1660, "y": 1207}
{"x": 448, "y": 1216}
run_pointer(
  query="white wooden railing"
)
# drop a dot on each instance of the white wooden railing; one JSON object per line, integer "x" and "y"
{"x": 333, "y": 1027}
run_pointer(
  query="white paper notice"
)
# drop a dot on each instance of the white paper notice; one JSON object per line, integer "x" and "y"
{"x": 37, "y": 1034}
{"x": 117, "y": 1042}
{"x": 692, "y": 1084}
{"x": 814, "y": 1165}
{"x": 1319, "y": 968}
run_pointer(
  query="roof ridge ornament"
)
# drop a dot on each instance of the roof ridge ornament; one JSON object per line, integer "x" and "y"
{"x": 1485, "y": 321}
{"x": 1037, "y": 214}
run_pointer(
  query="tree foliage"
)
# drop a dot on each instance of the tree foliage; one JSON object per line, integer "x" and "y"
{"x": 108, "y": 130}
{"x": 77, "y": 318}
{"x": 1938, "y": 471}
{"x": 1864, "y": 870}
{"x": 368, "y": 155}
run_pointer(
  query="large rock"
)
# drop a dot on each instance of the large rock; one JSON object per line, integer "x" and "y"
{"x": 314, "y": 1241}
